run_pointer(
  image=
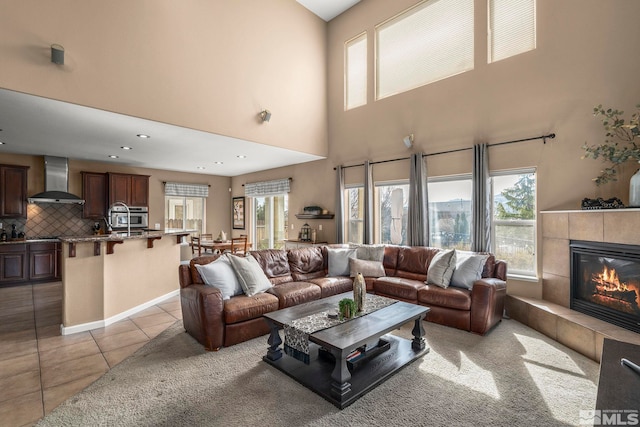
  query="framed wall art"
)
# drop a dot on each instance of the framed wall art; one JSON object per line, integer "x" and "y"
{"x": 238, "y": 213}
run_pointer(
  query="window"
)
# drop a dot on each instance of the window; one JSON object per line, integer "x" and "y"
{"x": 514, "y": 221}
{"x": 392, "y": 205}
{"x": 428, "y": 42}
{"x": 355, "y": 72}
{"x": 271, "y": 221}
{"x": 354, "y": 214}
{"x": 450, "y": 215}
{"x": 184, "y": 213}
{"x": 512, "y": 28}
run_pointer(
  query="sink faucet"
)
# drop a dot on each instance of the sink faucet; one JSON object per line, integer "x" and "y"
{"x": 124, "y": 205}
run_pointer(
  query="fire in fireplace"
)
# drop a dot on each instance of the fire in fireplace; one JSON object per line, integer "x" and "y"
{"x": 605, "y": 282}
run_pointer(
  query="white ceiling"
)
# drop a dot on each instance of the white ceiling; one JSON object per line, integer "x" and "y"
{"x": 328, "y": 9}
{"x": 39, "y": 126}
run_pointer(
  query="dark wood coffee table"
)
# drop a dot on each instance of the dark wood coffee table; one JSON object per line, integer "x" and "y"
{"x": 328, "y": 373}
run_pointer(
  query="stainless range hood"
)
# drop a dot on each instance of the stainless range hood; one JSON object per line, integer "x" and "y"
{"x": 56, "y": 183}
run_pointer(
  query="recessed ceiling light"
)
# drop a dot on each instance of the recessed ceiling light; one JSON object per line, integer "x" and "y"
{"x": 127, "y": 148}
{"x": 113, "y": 156}
{"x": 200, "y": 167}
{"x": 241, "y": 156}
{"x": 218, "y": 163}
{"x": 1, "y": 143}
{"x": 142, "y": 135}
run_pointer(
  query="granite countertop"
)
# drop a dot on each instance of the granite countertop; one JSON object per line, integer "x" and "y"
{"x": 115, "y": 236}
{"x": 118, "y": 236}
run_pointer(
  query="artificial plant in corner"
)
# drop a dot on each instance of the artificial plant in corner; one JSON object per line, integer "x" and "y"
{"x": 621, "y": 144}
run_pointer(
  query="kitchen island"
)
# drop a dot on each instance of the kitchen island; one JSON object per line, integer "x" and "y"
{"x": 107, "y": 278}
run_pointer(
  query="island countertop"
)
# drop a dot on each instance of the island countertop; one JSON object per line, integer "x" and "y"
{"x": 120, "y": 235}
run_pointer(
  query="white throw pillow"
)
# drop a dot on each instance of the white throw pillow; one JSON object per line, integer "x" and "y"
{"x": 368, "y": 252}
{"x": 338, "y": 260}
{"x": 250, "y": 274}
{"x": 441, "y": 268}
{"x": 221, "y": 275}
{"x": 469, "y": 268}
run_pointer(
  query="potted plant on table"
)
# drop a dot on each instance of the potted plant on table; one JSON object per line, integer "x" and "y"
{"x": 347, "y": 308}
{"x": 621, "y": 144}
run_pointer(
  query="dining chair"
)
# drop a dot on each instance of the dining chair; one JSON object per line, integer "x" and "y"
{"x": 196, "y": 242}
{"x": 239, "y": 245}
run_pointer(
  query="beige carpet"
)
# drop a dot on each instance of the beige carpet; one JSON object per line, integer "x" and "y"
{"x": 514, "y": 376}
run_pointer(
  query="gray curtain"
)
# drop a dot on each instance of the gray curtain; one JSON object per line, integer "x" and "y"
{"x": 339, "y": 205}
{"x": 367, "y": 238}
{"x": 480, "y": 200}
{"x": 418, "y": 221}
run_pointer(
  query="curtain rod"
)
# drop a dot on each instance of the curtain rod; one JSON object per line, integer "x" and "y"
{"x": 542, "y": 137}
{"x": 186, "y": 183}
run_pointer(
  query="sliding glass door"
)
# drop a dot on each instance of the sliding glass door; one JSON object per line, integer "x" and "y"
{"x": 271, "y": 221}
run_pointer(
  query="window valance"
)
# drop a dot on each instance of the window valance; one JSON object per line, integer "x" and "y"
{"x": 267, "y": 188}
{"x": 180, "y": 189}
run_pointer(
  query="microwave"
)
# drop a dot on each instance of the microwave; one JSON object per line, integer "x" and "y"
{"x": 139, "y": 217}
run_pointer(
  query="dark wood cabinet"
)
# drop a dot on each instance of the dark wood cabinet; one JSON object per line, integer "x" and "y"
{"x": 13, "y": 263}
{"x": 13, "y": 191}
{"x": 44, "y": 261}
{"x": 101, "y": 190}
{"x": 94, "y": 193}
{"x": 130, "y": 189}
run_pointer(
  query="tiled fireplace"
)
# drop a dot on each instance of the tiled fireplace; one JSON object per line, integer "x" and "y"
{"x": 554, "y": 314}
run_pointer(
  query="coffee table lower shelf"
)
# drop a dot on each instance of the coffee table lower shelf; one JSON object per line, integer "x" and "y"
{"x": 316, "y": 376}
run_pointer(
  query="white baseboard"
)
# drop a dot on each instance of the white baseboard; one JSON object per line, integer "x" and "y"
{"x": 68, "y": 330}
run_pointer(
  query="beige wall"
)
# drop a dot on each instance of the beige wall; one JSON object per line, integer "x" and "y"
{"x": 206, "y": 65}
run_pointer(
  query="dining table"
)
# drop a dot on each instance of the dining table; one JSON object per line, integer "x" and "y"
{"x": 216, "y": 246}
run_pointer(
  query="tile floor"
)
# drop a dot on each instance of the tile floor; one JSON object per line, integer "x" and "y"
{"x": 39, "y": 368}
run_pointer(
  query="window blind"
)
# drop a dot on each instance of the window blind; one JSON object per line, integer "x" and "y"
{"x": 355, "y": 72}
{"x": 512, "y": 28}
{"x": 267, "y": 188}
{"x": 429, "y": 42}
{"x": 186, "y": 190}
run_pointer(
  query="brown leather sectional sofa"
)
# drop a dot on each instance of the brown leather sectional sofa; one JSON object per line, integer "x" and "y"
{"x": 300, "y": 275}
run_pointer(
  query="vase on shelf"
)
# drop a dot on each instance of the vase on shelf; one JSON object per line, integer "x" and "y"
{"x": 634, "y": 190}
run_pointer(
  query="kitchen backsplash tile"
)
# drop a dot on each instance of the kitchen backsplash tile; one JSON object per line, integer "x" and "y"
{"x": 52, "y": 219}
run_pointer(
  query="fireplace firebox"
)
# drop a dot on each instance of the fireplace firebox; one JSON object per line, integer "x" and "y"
{"x": 605, "y": 282}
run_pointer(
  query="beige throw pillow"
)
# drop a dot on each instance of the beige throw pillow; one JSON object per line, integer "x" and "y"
{"x": 366, "y": 268}
{"x": 250, "y": 274}
{"x": 441, "y": 268}
{"x": 469, "y": 268}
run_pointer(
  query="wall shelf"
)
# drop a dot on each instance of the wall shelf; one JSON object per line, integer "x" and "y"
{"x": 310, "y": 216}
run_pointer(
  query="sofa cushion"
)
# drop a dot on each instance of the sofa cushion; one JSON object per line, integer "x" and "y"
{"x": 366, "y": 268}
{"x": 333, "y": 285}
{"x": 457, "y": 298}
{"x": 275, "y": 264}
{"x": 294, "y": 293}
{"x": 413, "y": 262}
{"x": 441, "y": 268}
{"x": 196, "y": 279}
{"x": 220, "y": 274}
{"x": 242, "y": 307}
{"x": 339, "y": 260}
{"x": 469, "y": 268}
{"x": 398, "y": 287}
{"x": 250, "y": 274}
{"x": 306, "y": 263}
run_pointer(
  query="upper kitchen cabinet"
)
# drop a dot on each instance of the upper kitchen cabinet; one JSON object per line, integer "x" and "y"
{"x": 13, "y": 191}
{"x": 94, "y": 193}
{"x": 130, "y": 189}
